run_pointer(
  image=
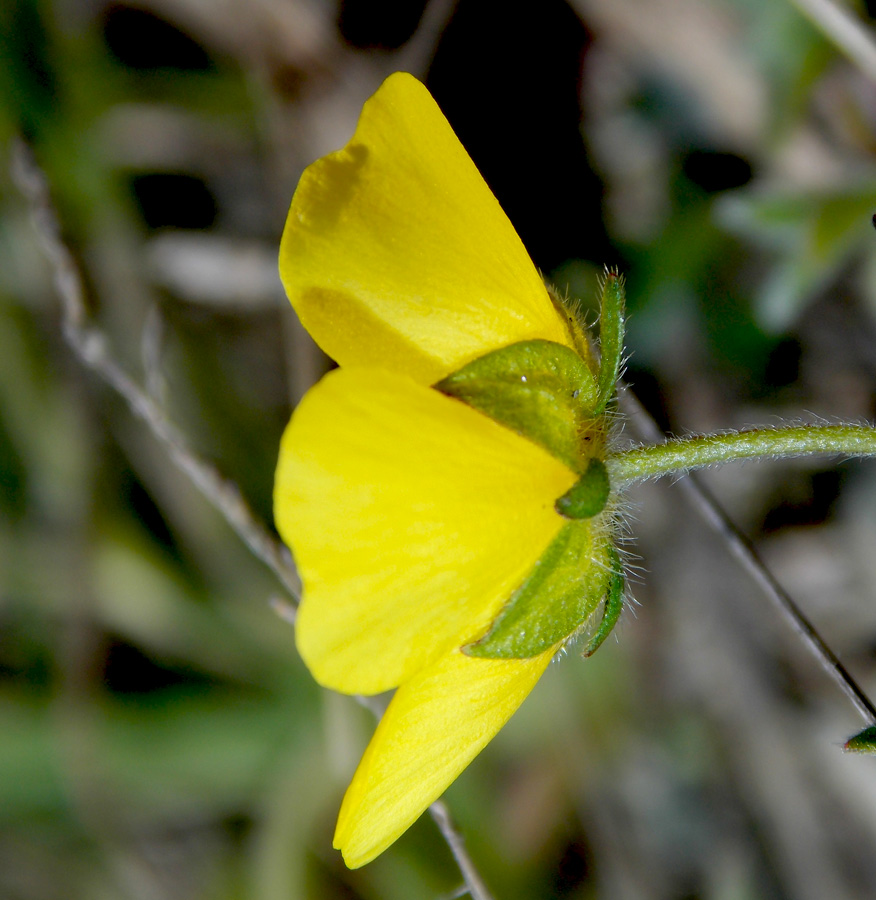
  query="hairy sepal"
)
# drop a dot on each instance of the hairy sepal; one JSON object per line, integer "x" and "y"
{"x": 611, "y": 338}
{"x": 556, "y": 599}
{"x": 542, "y": 390}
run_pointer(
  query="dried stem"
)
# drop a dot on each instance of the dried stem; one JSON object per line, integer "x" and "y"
{"x": 743, "y": 549}
{"x": 842, "y": 27}
{"x": 89, "y": 344}
{"x": 473, "y": 881}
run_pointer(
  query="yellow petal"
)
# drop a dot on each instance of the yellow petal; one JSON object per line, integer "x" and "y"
{"x": 412, "y": 518}
{"x": 396, "y": 254}
{"x": 434, "y": 727}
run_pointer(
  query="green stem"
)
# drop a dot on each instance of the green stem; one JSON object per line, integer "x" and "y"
{"x": 683, "y": 454}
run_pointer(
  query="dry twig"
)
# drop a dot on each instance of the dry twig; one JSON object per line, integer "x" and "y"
{"x": 743, "y": 549}
{"x": 846, "y": 31}
{"x": 89, "y": 344}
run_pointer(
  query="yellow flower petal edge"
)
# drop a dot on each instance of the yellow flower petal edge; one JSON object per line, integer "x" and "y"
{"x": 435, "y": 725}
{"x": 396, "y": 254}
{"x": 416, "y": 518}
{"x": 412, "y": 518}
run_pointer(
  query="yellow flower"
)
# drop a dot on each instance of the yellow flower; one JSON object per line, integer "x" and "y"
{"x": 413, "y": 517}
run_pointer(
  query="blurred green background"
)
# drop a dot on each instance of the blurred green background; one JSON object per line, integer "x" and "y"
{"x": 159, "y": 737}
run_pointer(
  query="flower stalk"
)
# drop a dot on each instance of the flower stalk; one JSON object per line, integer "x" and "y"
{"x": 684, "y": 454}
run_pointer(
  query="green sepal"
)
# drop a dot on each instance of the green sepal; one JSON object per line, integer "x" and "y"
{"x": 588, "y": 495}
{"x": 611, "y": 338}
{"x": 542, "y": 390}
{"x": 863, "y": 742}
{"x": 612, "y": 607}
{"x": 562, "y": 591}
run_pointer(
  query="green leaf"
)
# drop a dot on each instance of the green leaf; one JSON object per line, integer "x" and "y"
{"x": 563, "y": 590}
{"x": 813, "y": 234}
{"x": 863, "y": 742}
{"x": 542, "y": 390}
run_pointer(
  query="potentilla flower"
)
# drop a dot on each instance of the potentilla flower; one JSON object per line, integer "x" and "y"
{"x": 443, "y": 491}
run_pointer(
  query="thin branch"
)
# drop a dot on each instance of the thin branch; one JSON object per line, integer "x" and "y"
{"x": 744, "y": 551}
{"x": 89, "y": 344}
{"x": 842, "y": 27}
{"x": 742, "y": 548}
{"x": 473, "y": 881}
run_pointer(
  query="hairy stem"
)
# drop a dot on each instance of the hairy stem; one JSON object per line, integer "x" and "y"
{"x": 684, "y": 454}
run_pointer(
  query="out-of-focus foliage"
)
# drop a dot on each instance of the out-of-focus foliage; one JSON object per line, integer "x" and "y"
{"x": 160, "y": 738}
